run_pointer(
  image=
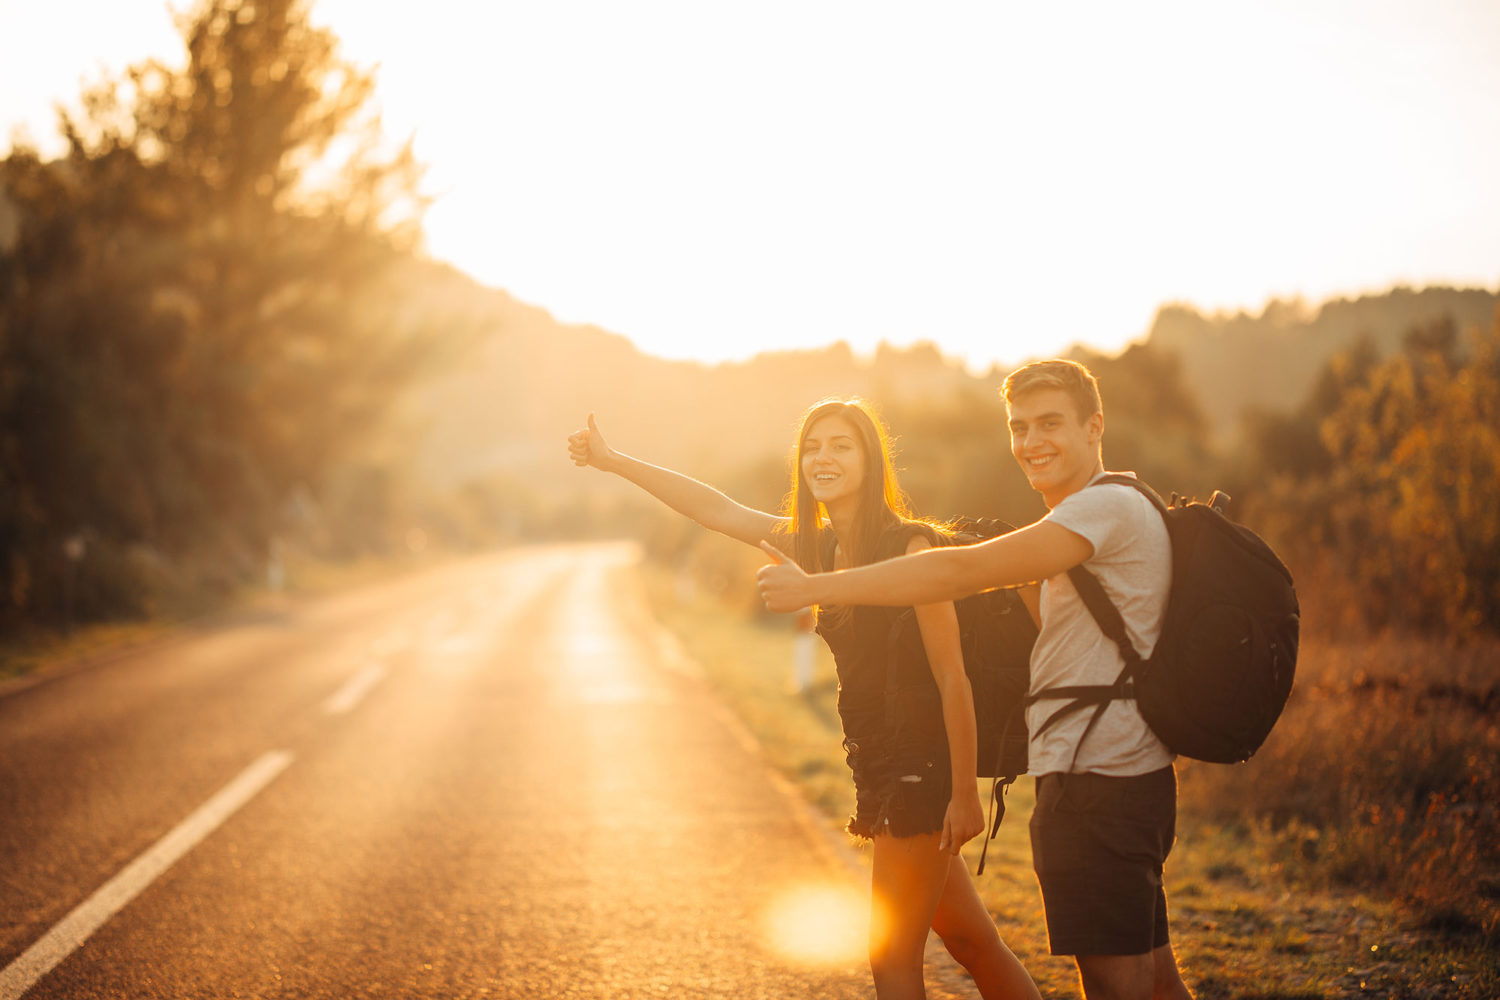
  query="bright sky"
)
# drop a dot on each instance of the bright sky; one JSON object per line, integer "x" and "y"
{"x": 715, "y": 179}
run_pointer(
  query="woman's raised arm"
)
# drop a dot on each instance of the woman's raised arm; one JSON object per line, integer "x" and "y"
{"x": 687, "y": 496}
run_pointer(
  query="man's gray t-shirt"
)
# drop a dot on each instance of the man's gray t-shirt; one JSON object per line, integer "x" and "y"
{"x": 1133, "y": 560}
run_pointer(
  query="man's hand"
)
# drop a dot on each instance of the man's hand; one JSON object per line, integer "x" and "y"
{"x": 588, "y": 447}
{"x": 783, "y": 585}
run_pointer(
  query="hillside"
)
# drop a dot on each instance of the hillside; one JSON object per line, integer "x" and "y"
{"x": 1242, "y": 361}
{"x": 524, "y": 381}
{"x": 528, "y": 380}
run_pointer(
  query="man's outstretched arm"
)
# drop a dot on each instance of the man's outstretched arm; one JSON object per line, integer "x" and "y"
{"x": 1033, "y": 553}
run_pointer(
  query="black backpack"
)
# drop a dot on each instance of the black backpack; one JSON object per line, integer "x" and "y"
{"x": 1222, "y": 668}
{"x": 997, "y": 634}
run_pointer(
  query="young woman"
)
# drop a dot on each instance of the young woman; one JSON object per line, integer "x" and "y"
{"x": 917, "y": 800}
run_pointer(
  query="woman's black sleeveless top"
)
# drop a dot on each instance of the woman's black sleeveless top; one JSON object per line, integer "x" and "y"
{"x": 864, "y": 656}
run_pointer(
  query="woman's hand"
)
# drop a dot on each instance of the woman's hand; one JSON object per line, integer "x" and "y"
{"x": 783, "y": 584}
{"x": 963, "y": 821}
{"x": 588, "y": 447}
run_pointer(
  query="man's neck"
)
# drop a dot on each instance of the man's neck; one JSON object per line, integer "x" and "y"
{"x": 1053, "y": 499}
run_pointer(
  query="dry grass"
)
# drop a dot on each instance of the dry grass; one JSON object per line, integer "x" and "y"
{"x": 24, "y": 653}
{"x": 1383, "y": 772}
{"x": 1353, "y": 857}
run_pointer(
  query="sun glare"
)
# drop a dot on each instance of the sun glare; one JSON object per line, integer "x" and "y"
{"x": 819, "y": 924}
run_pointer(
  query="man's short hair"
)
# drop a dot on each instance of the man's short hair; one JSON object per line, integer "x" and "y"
{"x": 1058, "y": 373}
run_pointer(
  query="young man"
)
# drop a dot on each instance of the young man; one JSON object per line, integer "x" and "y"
{"x": 1106, "y": 808}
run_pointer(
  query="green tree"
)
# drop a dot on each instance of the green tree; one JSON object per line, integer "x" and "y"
{"x": 1416, "y": 458}
{"x": 1379, "y": 490}
{"x": 200, "y": 312}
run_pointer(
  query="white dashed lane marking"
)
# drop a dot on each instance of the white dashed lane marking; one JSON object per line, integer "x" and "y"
{"x": 355, "y": 688}
{"x": 63, "y": 939}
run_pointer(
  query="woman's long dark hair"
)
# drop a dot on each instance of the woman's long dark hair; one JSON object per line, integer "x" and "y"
{"x": 881, "y": 501}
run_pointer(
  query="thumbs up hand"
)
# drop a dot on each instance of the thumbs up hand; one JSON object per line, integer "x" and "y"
{"x": 588, "y": 447}
{"x": 783, "y": 584}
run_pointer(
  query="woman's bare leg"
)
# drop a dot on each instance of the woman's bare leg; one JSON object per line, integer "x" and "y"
{"x": 906, "y": 882}
{"x": 969, "y": 934}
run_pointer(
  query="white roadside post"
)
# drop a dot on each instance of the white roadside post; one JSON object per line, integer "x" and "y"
{"x": 804, "y": 652}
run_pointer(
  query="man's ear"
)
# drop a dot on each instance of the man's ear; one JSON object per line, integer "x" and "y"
{"x": 1095, "y": 424}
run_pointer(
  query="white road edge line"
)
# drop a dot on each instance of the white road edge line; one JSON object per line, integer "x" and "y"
{"x": 63, "y": 939}
{"x": 354, "y": 689}
{"x": 834, "y": 848}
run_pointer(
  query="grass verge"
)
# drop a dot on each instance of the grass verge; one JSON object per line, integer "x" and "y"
{"x": 33, "y": 651}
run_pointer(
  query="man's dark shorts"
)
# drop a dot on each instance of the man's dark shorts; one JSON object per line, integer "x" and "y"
{"x": 1098, "y": 844}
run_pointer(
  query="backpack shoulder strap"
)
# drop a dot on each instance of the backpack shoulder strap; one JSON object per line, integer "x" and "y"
{"x": 1111, "y": 622}
{"x": 1120, "y": 479}
{"x": 1091, "y": 591}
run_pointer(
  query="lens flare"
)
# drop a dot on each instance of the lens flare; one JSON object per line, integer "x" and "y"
{"x": 819, "y": 924}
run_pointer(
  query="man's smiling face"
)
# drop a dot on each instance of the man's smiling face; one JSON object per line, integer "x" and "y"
{"x": 1058, "y": 451}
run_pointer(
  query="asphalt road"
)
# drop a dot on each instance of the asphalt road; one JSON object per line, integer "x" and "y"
{"x": 490, "y": 779}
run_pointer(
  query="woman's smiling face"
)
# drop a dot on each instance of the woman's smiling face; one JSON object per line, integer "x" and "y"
{"x": 833, "y": 461}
